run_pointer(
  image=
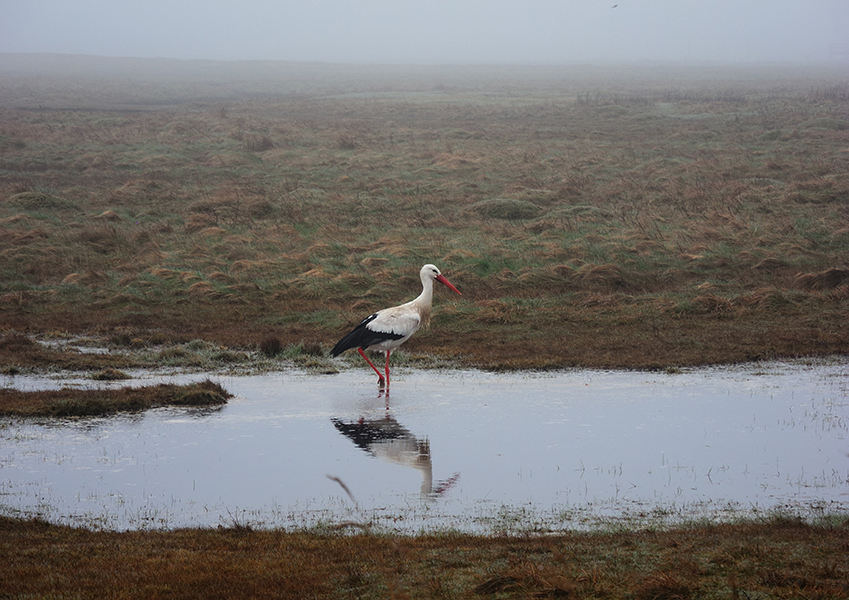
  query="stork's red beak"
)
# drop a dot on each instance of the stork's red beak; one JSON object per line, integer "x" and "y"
{"x": 441, "y": 279}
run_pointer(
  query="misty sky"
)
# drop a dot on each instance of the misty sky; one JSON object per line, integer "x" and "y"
{"x": 431, "y": 31}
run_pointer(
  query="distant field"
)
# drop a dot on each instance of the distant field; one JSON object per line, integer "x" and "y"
{"x": 598, "y": 216}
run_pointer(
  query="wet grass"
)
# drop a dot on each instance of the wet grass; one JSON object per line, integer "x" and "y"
{"x": 85, "y": 403}
{"x": 776, "y": 558}
{"x": 673, "y": 218}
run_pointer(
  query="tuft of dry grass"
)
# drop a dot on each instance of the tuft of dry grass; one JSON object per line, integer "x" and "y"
{"x": 823, "y": 280}
{"x": 84, "y": 402}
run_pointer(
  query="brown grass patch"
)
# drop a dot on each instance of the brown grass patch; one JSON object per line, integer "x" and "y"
{"x": 823, "y": 280}
{"x": 776, "y": 559}
{"x": 108, "y": 215}
{"x": 89, "y": 278}
{"x": 452, "y": 161}
{"x": 765, "y": 297}
{"x": 202, "y": 289}
{"x": 200, "y": 221}
{"x": 212, "y": 232}
{"x": 163, "y": 273}
{"x": 188, "y": 277}
{"x": 769, "y": 263}
{"x": 218, "y": 276}
{"x": 663, "y": 586}
{"x": 81, "y": 403}
{"x": 242, "y": 266}
{"x": 609, "y": 276}
{"x": 712, "y": 303}
{"x": 27, "y": 237}
{"x": 18, "y": 218}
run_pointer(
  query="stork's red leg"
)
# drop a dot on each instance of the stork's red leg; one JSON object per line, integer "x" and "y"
{"x": 371, "y": 364}
{"x": 387, "y": 367}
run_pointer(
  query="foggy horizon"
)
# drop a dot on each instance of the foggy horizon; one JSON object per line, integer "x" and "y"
{"x": 541, "y": 32}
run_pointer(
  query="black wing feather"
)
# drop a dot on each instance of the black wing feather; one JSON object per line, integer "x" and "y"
{"x": 363, "y": 337}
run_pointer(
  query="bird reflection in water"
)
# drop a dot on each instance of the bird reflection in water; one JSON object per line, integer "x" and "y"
{"x": 388, "y": 440}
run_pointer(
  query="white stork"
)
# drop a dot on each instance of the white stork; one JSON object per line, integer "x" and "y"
{"x": 389, "y": 328}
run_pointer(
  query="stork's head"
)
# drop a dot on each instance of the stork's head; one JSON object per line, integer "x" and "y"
{"x": 430, "y": 272}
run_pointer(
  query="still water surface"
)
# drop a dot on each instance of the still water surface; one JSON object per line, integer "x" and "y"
{"x": 467, "y": 450}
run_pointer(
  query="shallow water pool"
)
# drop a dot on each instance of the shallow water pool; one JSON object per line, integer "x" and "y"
{"x": 463, "y": 450}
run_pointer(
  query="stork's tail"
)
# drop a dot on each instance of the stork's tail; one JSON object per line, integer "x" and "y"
{"x": 349, "y": 341}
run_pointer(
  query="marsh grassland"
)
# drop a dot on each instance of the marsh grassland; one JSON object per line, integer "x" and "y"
{"x": 648, "y": 217}
{"x": 607, "y": 216}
